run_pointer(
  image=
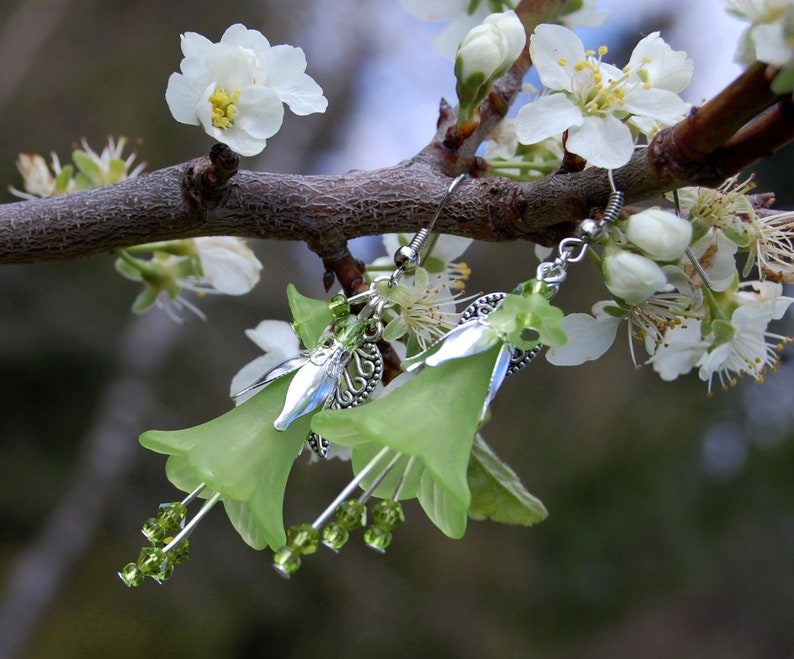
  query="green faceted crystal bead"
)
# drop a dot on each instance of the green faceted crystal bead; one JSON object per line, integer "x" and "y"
{"x": 335, "y": 536}
{"x": 286, "y": 562}
{"x": 339, "y": 306}
{"x": 131, "y": 575}
{"x": 171, "y": 515}
{"x": 153, "y": 530}
{"x": 352, "y": 514}
{"x": 377, "y": 538}
{"x": 387, "y": 514}
{"x": 349, "y": 331}
{"x": 166, "y": 571}
{"x": 180, "y": 553}
{"x": 150, "y": 561}
{"x": 303, "y": 539}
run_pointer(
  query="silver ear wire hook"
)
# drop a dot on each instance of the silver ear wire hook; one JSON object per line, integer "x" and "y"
{"x": 410, "y": 256}
{"x": 699, "y": 268}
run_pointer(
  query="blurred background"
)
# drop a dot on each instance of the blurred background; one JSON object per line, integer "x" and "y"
{"x": 671, "y": 528}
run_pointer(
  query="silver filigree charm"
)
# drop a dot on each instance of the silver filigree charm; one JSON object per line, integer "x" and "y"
{"x": 341, "y": 371}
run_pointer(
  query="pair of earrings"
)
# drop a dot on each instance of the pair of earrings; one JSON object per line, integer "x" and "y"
{"x": 341, "y": 371}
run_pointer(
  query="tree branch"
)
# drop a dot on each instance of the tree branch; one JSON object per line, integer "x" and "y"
{"x": 207, "y": 196}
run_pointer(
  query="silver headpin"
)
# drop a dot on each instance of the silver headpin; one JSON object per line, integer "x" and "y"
{"x": 695, "y": 263}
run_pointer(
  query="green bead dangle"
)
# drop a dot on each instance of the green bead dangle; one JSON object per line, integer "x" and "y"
{"x": 131, "y": 575}
{"x": 172, "y": 515}
{"x": 151, "y": 561}
{"x": 153, "y": 530}
{"x": 179, "y": 553}
{"x": 302, "y": 539}
{"x": 349, "y": 515}
{"x": 167, "y": 532}
{"x": 386, "y": 515}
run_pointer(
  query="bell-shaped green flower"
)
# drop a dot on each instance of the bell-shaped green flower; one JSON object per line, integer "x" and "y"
{"x": 433, "y": 417}
{"x": 526, "y": 321}
{"x": 241, "y": 456}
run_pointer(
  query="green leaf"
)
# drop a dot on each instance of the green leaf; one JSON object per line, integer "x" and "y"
{"x": 310, "y": 317}
{"x": 145, "y": 299}
{"x": 433, "y": 416}
{"x": 128, "y": 270}
{"x": 63, "y": 179}
{"x": 241, "y": 455}
{"x": 88, "y": 166}
{"x": 496, "y": 491}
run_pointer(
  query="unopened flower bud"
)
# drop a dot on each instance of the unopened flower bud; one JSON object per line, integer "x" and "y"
{"x": 485, "y": 53}
{"x": 662, "y": 235}
{"x": 480, "y": 55}
{"x": 512, "y": 29}
{"x": 632, "y": 277}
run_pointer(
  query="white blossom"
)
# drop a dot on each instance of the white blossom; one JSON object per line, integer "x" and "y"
{"x": 228, "y": 264}
{"x": 592, "y": 100}
{"x": 235, "y": 89}
{"x": 424, "y": 309}
{"x": 590, "y": 336}
{"x": 733, "y": 347}
{"x": 769, "y": 36}
{"x": 37, "y": 179}
{"x": 773, "y": 247}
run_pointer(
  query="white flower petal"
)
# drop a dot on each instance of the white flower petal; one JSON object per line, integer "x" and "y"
{"x": 683, "y": 347}
{"x": 546, "y": 117}
{"x": 182, "y": 99}
{"x": 239, "y": 35}
{"x": 588, "y": 339}
{"x": 275, "y": 336}
{"x": 602, "y": 141}
{"x": 287, "y": 76}
{"x": 193, "y": 43}
{"x": 663, "y": 106}
{"x": 229, "y": 264}
{"x": 555, "y": 51}
{"x": 260, "y": 111}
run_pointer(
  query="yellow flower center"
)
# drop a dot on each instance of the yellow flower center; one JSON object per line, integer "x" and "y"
{"x": 602, "y": 95}
{"x": 223, "y": 107}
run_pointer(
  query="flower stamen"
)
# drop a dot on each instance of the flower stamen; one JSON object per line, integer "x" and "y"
{"x": 224, "y": 108}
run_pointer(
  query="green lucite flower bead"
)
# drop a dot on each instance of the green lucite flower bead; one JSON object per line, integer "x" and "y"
{"x": 171, "y": 515}
{"x": 377, "y": 538}
{"x": 131, "y": 575}
{"x": 387, "y": 514}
